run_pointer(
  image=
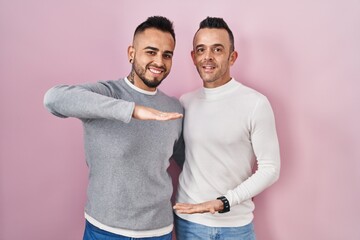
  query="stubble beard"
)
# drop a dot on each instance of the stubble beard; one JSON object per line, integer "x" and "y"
{"x": 140, "y": 72}
{"x": 206, "y": 77}
{"x": 213, "y": 77}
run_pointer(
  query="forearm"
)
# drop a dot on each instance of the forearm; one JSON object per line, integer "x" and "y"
{"x": 79, "y": 102}
{"x": 267, "y": 173}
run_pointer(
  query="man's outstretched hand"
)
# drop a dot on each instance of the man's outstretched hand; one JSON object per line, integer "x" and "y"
{"x": 209, "y": 206}
{"x": 146, "y": 113}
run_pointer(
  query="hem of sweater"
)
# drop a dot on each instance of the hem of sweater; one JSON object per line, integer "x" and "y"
{"x": 130, "y": 233}
{"x": 217, "y": 219}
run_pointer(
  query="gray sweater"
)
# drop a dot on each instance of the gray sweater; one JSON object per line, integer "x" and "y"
{"x": 129, "y": 186}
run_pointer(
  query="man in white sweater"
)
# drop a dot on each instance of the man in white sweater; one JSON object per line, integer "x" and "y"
{"x": 229, "y": 129}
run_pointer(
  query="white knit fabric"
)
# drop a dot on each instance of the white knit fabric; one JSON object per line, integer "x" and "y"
{"x": 227, "y": 130}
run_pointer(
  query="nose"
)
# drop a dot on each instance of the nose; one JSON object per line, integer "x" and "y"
{"x": 208, "y": 56}
{"x": 158, "y": 60}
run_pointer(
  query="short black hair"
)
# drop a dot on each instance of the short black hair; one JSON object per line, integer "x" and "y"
{"x": 157, "y": 22}
{"x": 219, "y": 23}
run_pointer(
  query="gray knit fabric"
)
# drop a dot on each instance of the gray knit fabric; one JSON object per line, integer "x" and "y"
{"x": 129, "y": 186}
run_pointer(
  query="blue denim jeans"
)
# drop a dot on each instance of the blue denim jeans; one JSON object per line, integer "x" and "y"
{"x": 94, "y": 233}
{"x": 186, "y": 230}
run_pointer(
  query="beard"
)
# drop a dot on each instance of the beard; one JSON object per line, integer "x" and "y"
{"x": 140, "y": 72}
{"x": 151, "y": 84}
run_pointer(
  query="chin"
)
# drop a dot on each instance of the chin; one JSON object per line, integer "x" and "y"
{"x": 208, "y": 80}
{"x": 153, "y": 83}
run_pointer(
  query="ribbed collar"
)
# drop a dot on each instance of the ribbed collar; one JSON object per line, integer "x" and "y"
{"x": 139, "y": 89}
{"x": 218, "y": 92}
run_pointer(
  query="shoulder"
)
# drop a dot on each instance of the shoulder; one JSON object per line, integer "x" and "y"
{"x": 251, "y": 94}
{"x": 111, "y": 88}
{"x": 103, "y": 85}
{"x": 112, "y": 84}
{"x": 257, "y": 101}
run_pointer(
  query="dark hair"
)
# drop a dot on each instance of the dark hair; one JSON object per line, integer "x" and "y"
{"x": 219, "y": 23}
{"x": 157, "y": 22}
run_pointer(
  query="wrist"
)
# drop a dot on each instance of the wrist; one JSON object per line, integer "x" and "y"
{"x": 226, "y": 204}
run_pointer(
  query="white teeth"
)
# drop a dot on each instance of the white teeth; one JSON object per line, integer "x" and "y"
{"x": 154, "y": 71}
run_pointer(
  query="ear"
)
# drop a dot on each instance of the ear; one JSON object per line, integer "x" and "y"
{"x": 233, "y": 57}
{"x": 193, "y": 56}
{"x": 131, "y": 53}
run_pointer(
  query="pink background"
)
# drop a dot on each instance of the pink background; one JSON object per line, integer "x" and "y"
{"x": 304, "y": 55}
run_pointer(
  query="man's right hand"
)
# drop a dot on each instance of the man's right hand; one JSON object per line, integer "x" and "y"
{"x": 146, "y": 113}
{"x": 212, "y": 206}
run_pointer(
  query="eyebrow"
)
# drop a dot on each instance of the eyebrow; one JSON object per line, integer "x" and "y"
{"x": 214, "y": 45}
{"x": 157, "y": 50}
{"x": 151, "y": 48}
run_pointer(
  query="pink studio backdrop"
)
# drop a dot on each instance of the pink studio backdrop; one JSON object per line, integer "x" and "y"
{"x": 304, "y": 55}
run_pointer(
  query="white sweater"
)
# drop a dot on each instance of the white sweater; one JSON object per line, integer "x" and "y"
{"x": 227, "y": 130}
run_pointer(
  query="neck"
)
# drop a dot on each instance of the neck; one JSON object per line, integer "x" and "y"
{"x": 216, "y": 83}
{"x": 136, "y": 81}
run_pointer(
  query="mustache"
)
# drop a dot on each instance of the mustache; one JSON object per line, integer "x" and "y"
{"x": 208, "y": 63}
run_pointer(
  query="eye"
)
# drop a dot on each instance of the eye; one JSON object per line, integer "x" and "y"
{"x": 151, "y": 53}
{"x": 167, "y": 56}
{"x": 218, "y": 49}
{"x": 200, "y": 50}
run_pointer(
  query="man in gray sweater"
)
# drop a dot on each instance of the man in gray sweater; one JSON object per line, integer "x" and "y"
{"x": 131, "y": 131}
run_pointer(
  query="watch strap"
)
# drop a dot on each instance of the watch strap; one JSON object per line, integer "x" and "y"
{"x": 225, "y": 203}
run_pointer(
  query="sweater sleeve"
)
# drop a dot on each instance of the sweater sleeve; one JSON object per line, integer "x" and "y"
{"x": 88, "y": 101}
{"x": 266, "y": 149}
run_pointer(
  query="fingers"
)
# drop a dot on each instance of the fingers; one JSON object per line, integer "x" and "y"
{"x": 187, "y": 208}
{"x": 164, "y": 116}
{"x": 146, "y": 113}
{"x": 183, "y": 206}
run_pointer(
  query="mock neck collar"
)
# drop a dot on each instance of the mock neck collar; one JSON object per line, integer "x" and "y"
{"x": 221, "y": 90}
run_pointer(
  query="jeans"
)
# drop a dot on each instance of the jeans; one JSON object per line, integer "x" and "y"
{"x": 94, "y": 233}
{"x": 186, "y": 230}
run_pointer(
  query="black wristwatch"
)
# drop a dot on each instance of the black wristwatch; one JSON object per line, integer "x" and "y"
{"x": 226, "y": 204}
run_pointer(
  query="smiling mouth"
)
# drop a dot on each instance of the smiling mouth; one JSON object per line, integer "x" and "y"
{"x": 208, "y": 68}
{"x": 156, "y": 70}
